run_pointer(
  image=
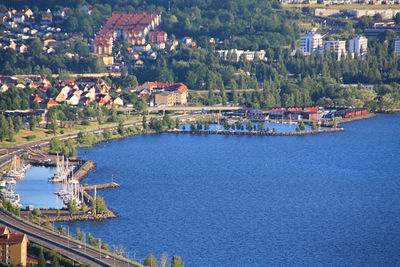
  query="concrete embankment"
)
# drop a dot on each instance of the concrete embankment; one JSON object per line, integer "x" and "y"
{"x": 262, "y": 133}
{"x": 338, "y": 121}
{"x": 84, "y": 170}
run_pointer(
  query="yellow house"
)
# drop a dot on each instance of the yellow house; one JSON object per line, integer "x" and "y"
{"x": 13, "y": 248}
{"x": 165, "y": 99}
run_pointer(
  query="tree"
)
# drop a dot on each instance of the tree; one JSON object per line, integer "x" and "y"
{"x": 314, "y": 126}
{"x": 144, "y": 122}
{"x": 72, "y": 207}
{"x": 121, "y": 128}
{"x": 61, "y": 229}
{"x": 56, "y": 262}
{"x": 249, "y": 126}
{"x": 177, "y": 262}
{"x": 107, "y": 134}
{"x": 151, "y": 261}
{"x": 3, "y": 127}
{"x": 32, "y": 123}
{"x": 114, "y": 116}
{"x": 302, "y": 127}
{"x": 41, "y": 259}
{"x": 56, "y": 146}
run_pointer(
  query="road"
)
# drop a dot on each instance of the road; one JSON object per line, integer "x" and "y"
{"x": 65, "y": 246}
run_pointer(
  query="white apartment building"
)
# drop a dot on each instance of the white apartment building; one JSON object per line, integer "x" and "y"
{"x": 396, "y": 46}
{"x": 338, "y": 47}
{"x": 311, "y": 42}
{"x": 237, "y": 55}
{"x": 358, "y": 45}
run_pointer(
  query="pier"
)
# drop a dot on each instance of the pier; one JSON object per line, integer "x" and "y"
{"x": 100, "y": 186}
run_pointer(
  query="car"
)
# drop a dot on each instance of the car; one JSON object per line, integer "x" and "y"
{"x": 106, "y": 256}
{"x": 79, "y": 246}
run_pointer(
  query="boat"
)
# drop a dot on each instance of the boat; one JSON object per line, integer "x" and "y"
{"x": 63, "y": 171}
{"x": 15, "y": 171}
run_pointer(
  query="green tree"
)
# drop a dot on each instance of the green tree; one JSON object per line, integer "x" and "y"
{"x": 151, "y": 261}
{"x": 314, "y": 126}
{"x": 61, "y": 229}
{"x": 249, "y": 126}
{"x": 41, "y": 259}
{"x": 144, "y": 122}
{"x": 32, "y": 123}
{"x": 56, "y": 262}
{"x": 56, "y": 146}
{"x": 3, "y": 128}
{"x": 121, "y": 128}
{"x": 177, "y": 262}
{"x": 302, "y": 126}
{"x": 107, "y": 134}
{"x": 72, "y": 207}
{"x": 114, "y": 116}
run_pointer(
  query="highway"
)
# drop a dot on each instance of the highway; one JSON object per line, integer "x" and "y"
{"x": 65, "y": 246}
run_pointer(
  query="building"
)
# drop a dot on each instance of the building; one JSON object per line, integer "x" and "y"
{"x": 103, "y": 45}
{"x": 158, "y": 37}
{"x": 358, "y": 45}
{"x": 164, "y": 99}
{"x": 323, "y": 12}
{"x": 385, "y": 13}
{"x": 236, "y": 55}
{"x": 311, "y": 42}
{"x": 13, "y": 248}
{"x": 396, "y": 46}
{"x": 337, "y": 47}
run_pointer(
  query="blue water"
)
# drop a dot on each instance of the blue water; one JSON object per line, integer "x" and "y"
{"x": 35, "y": 189}
{"x": 321, "y": 200}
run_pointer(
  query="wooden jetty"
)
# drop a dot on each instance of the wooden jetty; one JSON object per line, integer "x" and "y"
{"x": 100, "y": 186}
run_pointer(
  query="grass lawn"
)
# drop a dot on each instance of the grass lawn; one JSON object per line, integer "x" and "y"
{"x": 25, "y": 135}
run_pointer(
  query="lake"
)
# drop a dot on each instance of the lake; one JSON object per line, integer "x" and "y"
{"x": 320, "y": 200}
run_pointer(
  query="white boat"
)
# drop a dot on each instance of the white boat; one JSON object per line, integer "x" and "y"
{"x": 15, "y": 171}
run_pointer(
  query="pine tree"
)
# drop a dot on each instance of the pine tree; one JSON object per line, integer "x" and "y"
{"x": 41, "y": 259}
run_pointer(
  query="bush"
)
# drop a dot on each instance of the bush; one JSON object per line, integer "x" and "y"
{"x": 85, "y": 122}
{"x": 31, "y": 137}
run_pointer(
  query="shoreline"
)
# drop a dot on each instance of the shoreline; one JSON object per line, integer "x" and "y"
{"x": 88, "y": 166}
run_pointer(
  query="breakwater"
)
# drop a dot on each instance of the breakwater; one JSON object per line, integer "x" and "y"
{"x": 363, "y": 117}
{"x": 84, "y": 170}
{"x": 100, "y": 186}
{"x": 331, "y": 130}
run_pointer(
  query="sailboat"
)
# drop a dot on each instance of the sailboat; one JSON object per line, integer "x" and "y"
{"x": 15, "y": 171}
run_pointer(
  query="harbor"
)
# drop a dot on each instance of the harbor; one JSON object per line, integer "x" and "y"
{"x": 52, "y": 186}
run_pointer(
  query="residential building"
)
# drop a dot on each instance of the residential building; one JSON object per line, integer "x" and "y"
{"x": 311, "y": 42}
{"x": 157, "y": 37}
{"x": 103, "y": 45}
{"x": 47, "y": 18}
{"x": 385, "y": 13}
{"x": 164, "y": 99}
{"x": 323, "y": 12}
{"x": 337, "y": 47}
{"x": 396, "y": 46}
{"x": 358, "y": 45}
{"x": 13, "y": 248}
{"x": 241, "y": 55}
